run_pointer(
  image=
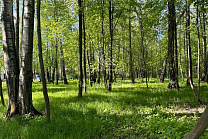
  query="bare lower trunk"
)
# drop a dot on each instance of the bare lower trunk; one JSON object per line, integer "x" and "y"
{"x": 80, "y": 50}
{"x": 53, "y": 74}
{"x": 171, "y": 41}
{"x": 56, "y": 64}
{"x": 1, "y": 93}
{"x": 200, "y": 126}
{"x": 25, "y": 79}
{"x": 84, "y": 54}
{"x": 162, "y": 76}
{"x": 204, "y": 67}
{"x": 45, "y": 91}
{"x": 10, "y": 57}
{"x": 63, "y": 64}
{"x": 131, "y": 55}
{"x": 111, "y": 47}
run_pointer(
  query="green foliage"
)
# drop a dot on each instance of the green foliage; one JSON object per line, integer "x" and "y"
{"x": 129, "y": 111}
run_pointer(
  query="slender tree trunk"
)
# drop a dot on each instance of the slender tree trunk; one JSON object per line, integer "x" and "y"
{"x": 130, "y": 51}
{"x": 11, "y": 65}
{"x": 180, "y": 57}
{"x": 99, "y": 61}
{"x": 17, "y": 30}
{"x": 56, "y": 64}
{"x": 123, "y": 70}
{"x": 190, "y": 78}
{"x": 204, "y": 67}
{"x": 103, "y": 49}
{"x": 144, "y": 70}
{"x": 176, "y": 49}
{"x": 198, "y": 68}
{"x": 89, "y": 67}
{"x": 85, "y": 68}
{"x": 162, "y": 76}
{"x": 1, "y": 93}
{"x": 53, "y": 74}
{"x": 25, "y": 80}
{"x": 111, "y": 47}
{"x": 47, "y": 72}
{"x": 185, "y": 59}
{"x": 80, "y": 50}
{"x": 45, "y": 91}
{"x": 63, "y": 63}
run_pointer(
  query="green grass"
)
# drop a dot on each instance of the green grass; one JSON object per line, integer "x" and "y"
{"x": 129, "y": 111}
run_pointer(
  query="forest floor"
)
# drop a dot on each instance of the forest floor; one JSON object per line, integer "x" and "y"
{"x": 129, "y": 111}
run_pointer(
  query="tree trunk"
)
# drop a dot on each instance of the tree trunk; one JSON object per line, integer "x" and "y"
{"x": 123, "y": 64}
{"x": 56, "y": 64}
{"x": 130, "y": 51}
{"x": 45, "y": 91}
{"x": 176, "y": 49}
{"x": 111, "y": 46}
{"x": 10, "y": 57}
{"x": 63, "y": 64}
{"x": 80, "y": 50}
{"x": 99, "y": 68}
{"x": 1, "y": 93}
{"x": 53, "y": 74}
{"x": 17, "y": 30}
{"x": 103, "y": 49}
{"x": 198, "y": 67}
{"x": 180, "y": 56}
{"x": 89, "y": 67}
{"x": 204, "y": 67}
{"x": 25, "y": 79}
{"x": 171, "y": 37}
{"x": 188, "y": 43}
{"x": 162, "y": 76}
{"x": 85, "y": 68}
{"x": 200, "y": 126}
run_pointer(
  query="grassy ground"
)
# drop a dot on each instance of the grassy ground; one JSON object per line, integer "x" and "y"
{"x": 129, "y": 111}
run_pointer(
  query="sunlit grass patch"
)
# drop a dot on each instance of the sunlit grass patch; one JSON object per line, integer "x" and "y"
{"x": 129, "y": 111}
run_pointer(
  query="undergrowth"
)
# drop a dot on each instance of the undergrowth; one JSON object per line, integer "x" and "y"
{"x": 129, "y": 111}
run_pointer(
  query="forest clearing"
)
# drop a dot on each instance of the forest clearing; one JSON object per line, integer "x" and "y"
{"x": 107, "y": 69}
{"x": 129, "y": 111}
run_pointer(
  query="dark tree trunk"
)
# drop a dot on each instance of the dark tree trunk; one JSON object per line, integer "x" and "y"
{"x": 188, "y": 43}
{"x": 63, "y": 63}
{"x": 80, "y": 50}
{"x": 144, "y": 70}
{"x": 53, "y": 74}
{"x": 17, "y": 30}
{"x": 56, "y": 64}
{"x": 47, "y": 72}
{"x": 10, "y": 57}
{"x": 123, "y": 70}
{"x": 25, "y": 82}
{"x": 1, "y": 93}
{"x": 171, "y": 31}
{"x": 45, "y": 91}
{"x": 162, "y": 76}
{"x": 130, "y": 51}
{"x": 89, "y": 66}
{"x": 103, "y": 49}
{"x": 180, "y": 55}
{"x": 176, "y": 49}
{"x": 111, "y": 47}
{"x": 99, "y": 59}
